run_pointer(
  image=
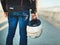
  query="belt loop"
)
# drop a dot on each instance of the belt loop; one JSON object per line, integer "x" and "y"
{"x": 21, "y": 3}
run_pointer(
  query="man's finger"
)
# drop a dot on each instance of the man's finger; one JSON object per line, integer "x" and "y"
{"x": 34, "y": 16}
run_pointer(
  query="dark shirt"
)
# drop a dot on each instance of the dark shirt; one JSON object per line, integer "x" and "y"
{"x": 26, "y": 4}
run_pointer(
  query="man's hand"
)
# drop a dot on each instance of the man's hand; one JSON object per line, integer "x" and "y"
{"x": 6, "y": 14}
{"x": 34, "y": 17}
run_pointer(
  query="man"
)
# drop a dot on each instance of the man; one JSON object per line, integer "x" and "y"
{"x": 18, "y": 10}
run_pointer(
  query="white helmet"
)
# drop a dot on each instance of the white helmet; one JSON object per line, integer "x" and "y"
{"x": 34, "y": 28}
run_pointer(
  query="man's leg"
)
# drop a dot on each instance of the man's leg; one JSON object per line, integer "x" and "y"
{"x": 12, "y": 21}
{"x": 22, "y": 25}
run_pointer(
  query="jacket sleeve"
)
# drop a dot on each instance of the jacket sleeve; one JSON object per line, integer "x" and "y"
{"x": 33, "y": 6}
{"x": 3, "y": 2}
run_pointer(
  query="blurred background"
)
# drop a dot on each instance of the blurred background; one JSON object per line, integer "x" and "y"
{"x": 48, "y": 12}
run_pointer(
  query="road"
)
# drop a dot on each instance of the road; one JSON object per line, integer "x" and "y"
{"x": 49, "y": 36}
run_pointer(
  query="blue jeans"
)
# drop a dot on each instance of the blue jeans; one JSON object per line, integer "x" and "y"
{"x": 13, "y": 18}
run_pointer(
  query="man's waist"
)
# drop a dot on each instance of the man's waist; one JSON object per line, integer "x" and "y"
{"x": 17, "y": 7}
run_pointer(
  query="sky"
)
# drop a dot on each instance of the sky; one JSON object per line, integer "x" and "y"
{"x": 48, "y": 3}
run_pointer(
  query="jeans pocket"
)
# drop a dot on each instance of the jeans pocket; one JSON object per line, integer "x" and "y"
{"x": 26, "y": 16}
